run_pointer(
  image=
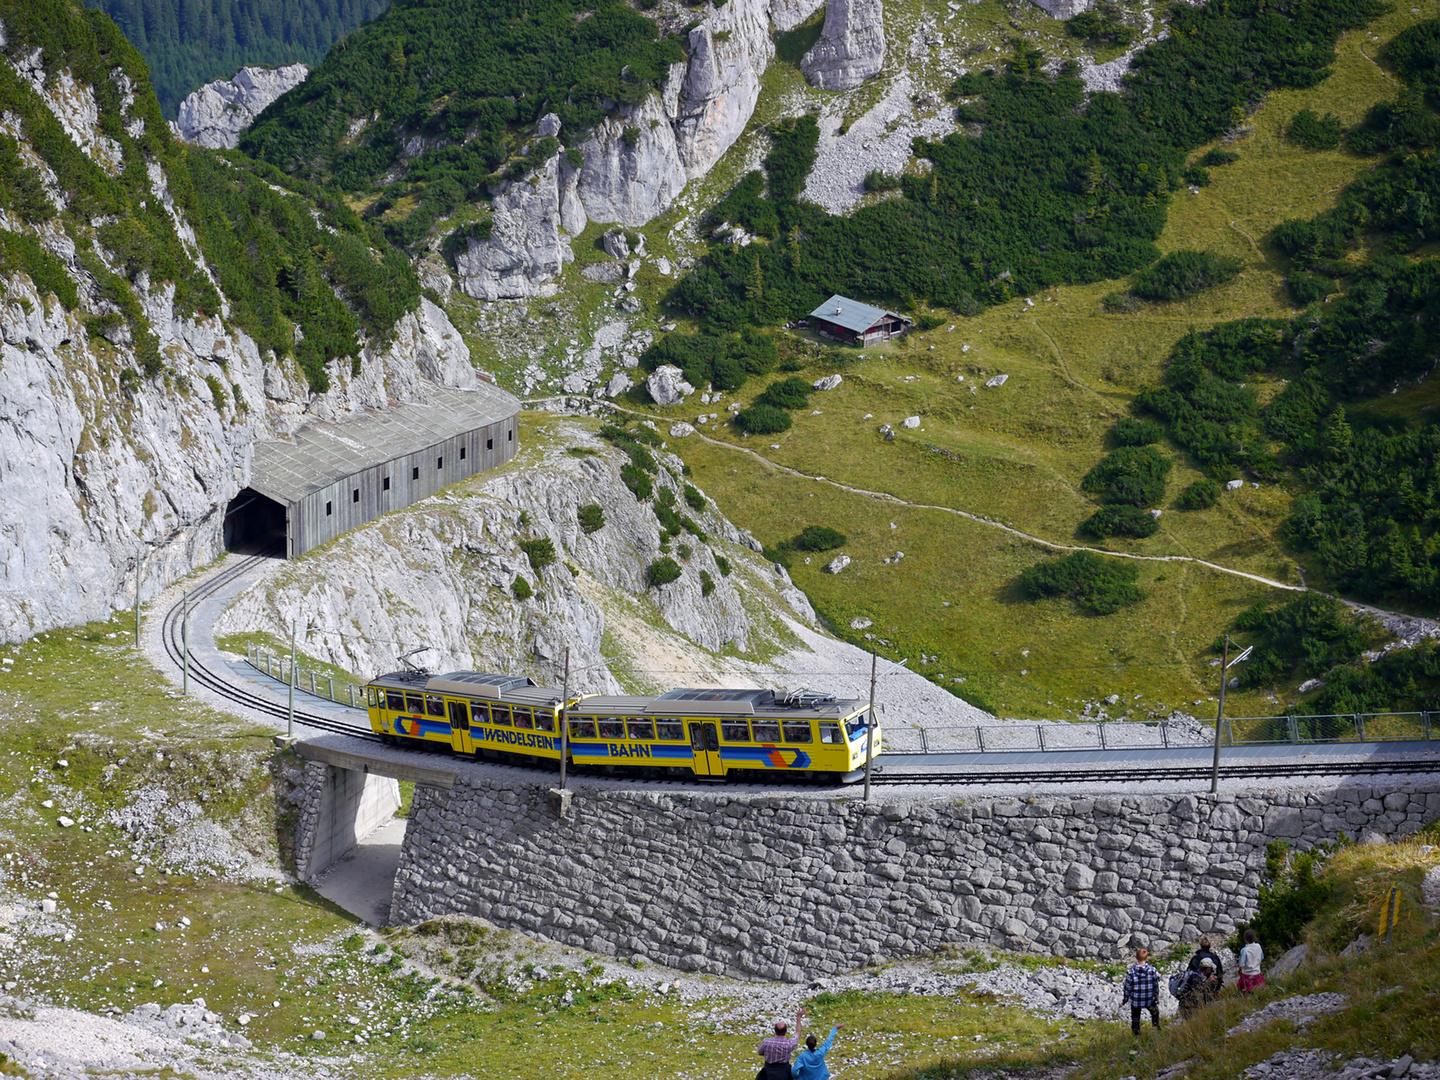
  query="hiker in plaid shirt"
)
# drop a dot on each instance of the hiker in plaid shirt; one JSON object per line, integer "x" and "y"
{"x": 1142, "y": 990}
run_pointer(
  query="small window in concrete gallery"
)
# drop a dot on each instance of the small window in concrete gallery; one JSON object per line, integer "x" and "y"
{"x": 328, "y": 509}
{"x": 489, "y": 444}
{"x": 415, "y": 473}
{"x": 462, "y": 453}
{"x": 439, "y": 463}
{"x": 387, "y": 483}
{"x": 355, "y": 495}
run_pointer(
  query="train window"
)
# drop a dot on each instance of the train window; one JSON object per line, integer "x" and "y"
{"x": 479, "y": 712}
{"x": 855, "y": 726}
{"x": 435, "y": 706}
{"x": 640, "y": 729}
{"x": 584, "y": 728}
{"x": 798, "y": 731}
{"x": 612, "y": 728}
{"x": 523, "y": 718}
{"x": 767, "y": 732}
{"x": 830, "y": 734}
{"x": 394, "y": 701}
{"x": 670, "y": 729}
{"x": 370, "y": 696}
{"x": 544, "y": 719}
{"x": 500, "y": 715}
{"x": 735, "y": 730}
{"x": 415, "y": 703}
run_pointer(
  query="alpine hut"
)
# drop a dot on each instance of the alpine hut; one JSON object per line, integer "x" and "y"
{"x": 855, "y": 323}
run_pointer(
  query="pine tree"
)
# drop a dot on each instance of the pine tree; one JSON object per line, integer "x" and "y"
{"x": 755, "y": 282}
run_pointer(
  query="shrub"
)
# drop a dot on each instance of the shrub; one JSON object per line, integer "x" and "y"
{"x": 1095, "y": 583}
{"x": 636, "y": 480}
{"x": 791, "y": 393}
{"x": 1131, "y": 432}
{"x": 723, "y": 565}
{"x": 1184, "y": 273}
{"x": 1306, "y": 288}
{"x": 707, "y": 583}
{"x": 1218, "y": 157}
{"x": 1120, "y": 303}
{"x": 521, "y": 589}
{"x": 1132, "y": 474}
{"x": 1314, "y": 132}
{"x": 817, "y": 538}
{"x": 875, "y": 180}
{"x": 591, "y": 517}
{"x": 217, "y": 393}
{"x": 1101, "y": 26}
{"x": 1127, "y": 521}
{"x": 763, "y": 420}
{"x": 685, "y": 551}
{"x": 1304, "y": 638}
{"x": 693, "y": 497}
{"x": 662, "y": 572}
{"x": 541, "y": 552}
{"x": 1196, "y": 175}
{"x": 1290, "y": 898}
{"x": 669, "y": 519}
{"x": 1201, "y": 495}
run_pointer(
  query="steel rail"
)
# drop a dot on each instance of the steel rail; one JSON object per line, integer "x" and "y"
{"x": 217, "y": 683}
{"x": 1162, "y": 772}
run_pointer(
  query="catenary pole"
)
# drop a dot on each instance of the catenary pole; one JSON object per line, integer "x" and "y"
{"x": 869, "y": 727}
{"x": 1220, "y": 715}
{"x": 139, "y": 573}
{"x": 564, "y": 720}
{"x": 185, "y": 644}
{"x": 290, "y": 716}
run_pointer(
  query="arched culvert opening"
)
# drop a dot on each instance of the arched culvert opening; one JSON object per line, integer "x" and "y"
{"x": 255, "y": 524}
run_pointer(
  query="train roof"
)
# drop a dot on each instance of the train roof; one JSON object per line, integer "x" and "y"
{"x": 724, "y": 702}
{"x": 516, "y": 689}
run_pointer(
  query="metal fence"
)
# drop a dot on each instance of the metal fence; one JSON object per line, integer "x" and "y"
{"x": 1021, "y": 737}
{"x": 1164, "y": 734}
{"x": 342, "y": 691}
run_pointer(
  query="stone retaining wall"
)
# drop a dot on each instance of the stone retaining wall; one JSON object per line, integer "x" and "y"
{"x": 790, "y": 888}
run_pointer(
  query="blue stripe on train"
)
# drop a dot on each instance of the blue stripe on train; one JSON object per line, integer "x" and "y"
{"x": 630, "y": 751}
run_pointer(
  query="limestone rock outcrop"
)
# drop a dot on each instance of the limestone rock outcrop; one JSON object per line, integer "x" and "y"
{"x": 455, "y": 561}
{"x": 851, "y": 48}
{"x": 632, "y": 170}
{"x": 218, "y": 113}
{"x": 1064, "y": 9}
{"x": 532, "y": 221}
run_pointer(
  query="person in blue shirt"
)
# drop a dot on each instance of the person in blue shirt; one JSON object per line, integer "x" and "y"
{"x": 810, "y": 1062}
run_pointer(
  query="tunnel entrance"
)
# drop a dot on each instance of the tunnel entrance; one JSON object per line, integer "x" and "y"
{"x": 255, "y": 524}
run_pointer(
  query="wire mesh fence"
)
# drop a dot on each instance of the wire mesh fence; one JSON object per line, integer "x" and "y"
{"x": 312, "y": 682}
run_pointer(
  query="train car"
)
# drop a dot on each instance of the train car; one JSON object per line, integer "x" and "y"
{"x": 716, "y": 732}
{"x": 708, "y": 733}
{"x": 472, "y": 712}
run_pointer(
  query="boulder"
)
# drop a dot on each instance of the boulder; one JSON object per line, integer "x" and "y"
{"x": 911, "y": 422}
{"x": 617, "y": 385}
{"x": 829, "y": 382}
{"x": 1234, "y": 485}
{"x": 218, "y": 113}
{"x": 681, "y": 430}
{"x": 835, "y": 565}
{"x": 1064, "y": 9}
{"x": 667, "y": 385}
{"x": 998, "y": 380}
{"x": 851, "y": 48}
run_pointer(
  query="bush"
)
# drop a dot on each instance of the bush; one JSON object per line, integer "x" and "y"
{"x": 521, "y": 589}
{"x": 1101, "y": 26}
{"x": 1132, "y": 474}
{"x": 1307, "y": 288}
{"x": 693, "y": 497}
{"x": 662, "y": 572}
{"x": 1217, "y": 157}
{"x": 669, "y": 519}
{"x": 1184, "y": 273}
{"x": 591, "y": 517}
{"x": 791, "y": 393}
{"x": 1128, "y": 521}
{"x": 1131, "y": 432}
{"x": 1196, "y": 175}
{"x": 635, "y": 479}
{"x": 541, "y": 552}
{"x": 1302, "y": 639}
{"x": 762, "y": 420}
{"x": 1120, "y": 303}
{"x": 1314, "y": 132}
{"x": 1290, "y": 899}
{"x": 875, "y": 180}
{"x": 707, "y": 583}
{"x": 723, "y": 565}
{"x": 1201, "y": 495}
{"x": 1095, "y": 583}
{"x": 816, "y": 538}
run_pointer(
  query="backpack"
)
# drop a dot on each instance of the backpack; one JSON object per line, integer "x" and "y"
{"x": 1177, "y": 983}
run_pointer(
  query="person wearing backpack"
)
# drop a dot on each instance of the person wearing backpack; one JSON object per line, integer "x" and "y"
{"x": 1197, "y": 987}
{"x": 1142, "y": 990}
{"x": 1203, "y": 953}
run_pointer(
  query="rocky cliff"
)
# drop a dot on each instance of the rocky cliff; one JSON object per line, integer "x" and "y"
{"x": 851, "y": 48}
{"x": 127, "y": 415}
{"x": 444, "y": 574}
{"x": 532, "y": 220}
{"x": 217, "y": 113}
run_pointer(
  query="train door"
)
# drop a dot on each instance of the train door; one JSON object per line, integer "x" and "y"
{"x": 460, "y": 740}
{"x": 705, "y": 748}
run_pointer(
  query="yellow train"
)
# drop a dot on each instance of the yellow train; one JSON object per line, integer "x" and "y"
{"x": 709, "y": 733}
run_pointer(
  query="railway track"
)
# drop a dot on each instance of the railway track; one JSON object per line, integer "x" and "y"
{"x": 1278, "y": 770}
{"x": 218, "y": 683}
